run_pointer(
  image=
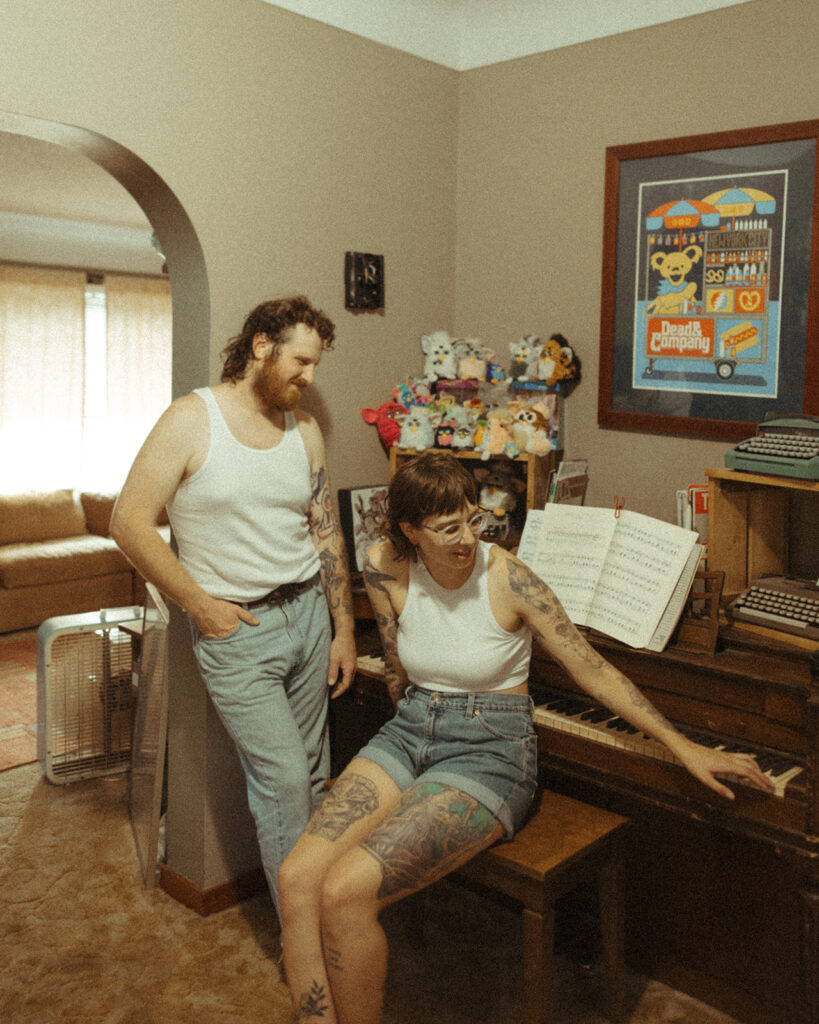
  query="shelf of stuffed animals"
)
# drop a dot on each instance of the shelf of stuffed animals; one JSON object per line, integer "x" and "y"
{"x": 508, "y": 486}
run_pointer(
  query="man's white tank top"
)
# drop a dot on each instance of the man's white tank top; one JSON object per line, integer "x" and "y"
{"x": 241, "y": 520}
{"x": 450, "y": 640}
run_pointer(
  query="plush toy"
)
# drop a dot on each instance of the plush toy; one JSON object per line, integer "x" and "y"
{"x": 470, "y": 359}
{"x": 464, "y": 437}
{"x": 531, "y": 426}
{"x": 417, "y": 428}
{"x": 524, "y": 353}
{"x": 439, "y": 352}
{"x": 497, "y": 437}
{"x": 555, "y": 362}
{"x": 445, "y": 433}
{"x": 385, "y": 420}
{"x": 498, "y": 493}
{"x": 413, "y": 391}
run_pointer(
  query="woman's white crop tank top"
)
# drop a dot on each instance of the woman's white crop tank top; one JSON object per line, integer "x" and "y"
{"x": 241, "y": 520}
{"x": 450, "y": 640}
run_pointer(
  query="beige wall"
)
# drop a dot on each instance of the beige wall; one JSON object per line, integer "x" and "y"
{"x": 532, "y": 139}
{"x": 287, "y": 143}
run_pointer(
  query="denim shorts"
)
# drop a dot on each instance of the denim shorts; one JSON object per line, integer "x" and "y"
{"x": 483, "y": 744}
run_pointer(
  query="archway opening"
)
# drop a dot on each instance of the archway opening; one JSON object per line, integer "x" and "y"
{"x": 176, "y": 234}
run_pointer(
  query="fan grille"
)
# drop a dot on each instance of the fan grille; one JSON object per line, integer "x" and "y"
{"x": 88, "y": 704}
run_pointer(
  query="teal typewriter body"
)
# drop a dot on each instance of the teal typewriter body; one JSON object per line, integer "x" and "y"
{"x": 783, "y": 445}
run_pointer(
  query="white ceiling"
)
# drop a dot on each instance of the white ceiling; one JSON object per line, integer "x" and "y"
{"x": 464, "y": 34}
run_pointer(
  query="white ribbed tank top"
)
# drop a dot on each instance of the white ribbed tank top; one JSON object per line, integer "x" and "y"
{"x": 241, "y": 520}
{"x": 451, "y": 640}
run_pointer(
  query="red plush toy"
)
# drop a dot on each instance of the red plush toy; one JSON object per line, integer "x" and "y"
{"x": 384, "y": 419}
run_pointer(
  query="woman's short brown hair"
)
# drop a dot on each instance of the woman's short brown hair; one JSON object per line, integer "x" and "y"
{"x": 434, "y": 483}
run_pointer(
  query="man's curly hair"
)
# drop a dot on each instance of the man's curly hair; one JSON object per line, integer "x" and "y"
{"x": 274, "y": 319}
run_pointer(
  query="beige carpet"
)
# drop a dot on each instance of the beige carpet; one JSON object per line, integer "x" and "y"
{"x": 18, "y": 698}
{"x": 81, "y": 941}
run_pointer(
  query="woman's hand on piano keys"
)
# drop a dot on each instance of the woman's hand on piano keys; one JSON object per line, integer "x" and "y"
{"x": 709, "y": 766}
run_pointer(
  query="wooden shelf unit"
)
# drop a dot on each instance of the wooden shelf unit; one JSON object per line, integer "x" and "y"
{"x": 748, "y": 524}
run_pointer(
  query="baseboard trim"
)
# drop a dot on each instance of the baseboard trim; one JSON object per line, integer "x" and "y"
{"x": 210, "y": 901}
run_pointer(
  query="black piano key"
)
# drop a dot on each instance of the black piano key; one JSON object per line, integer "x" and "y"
{"x": 597, "y": 715}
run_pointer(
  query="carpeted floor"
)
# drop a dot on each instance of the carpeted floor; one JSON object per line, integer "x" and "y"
{"x": 82, "y": 942}
{"x": 18, "y": 698}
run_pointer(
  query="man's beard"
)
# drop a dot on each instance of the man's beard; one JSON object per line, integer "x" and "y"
{"x": 275, "y": 393}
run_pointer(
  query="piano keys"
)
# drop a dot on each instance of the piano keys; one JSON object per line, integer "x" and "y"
{"x": 581, "y": 717}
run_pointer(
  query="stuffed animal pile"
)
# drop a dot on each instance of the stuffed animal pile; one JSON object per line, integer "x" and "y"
{"x": 465, "y": 400}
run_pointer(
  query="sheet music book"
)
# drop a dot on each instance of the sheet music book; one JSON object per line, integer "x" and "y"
{"x": 626, "y": 575}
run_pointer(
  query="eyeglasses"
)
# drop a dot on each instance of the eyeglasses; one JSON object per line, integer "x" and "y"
{"x": 452, "y": 532}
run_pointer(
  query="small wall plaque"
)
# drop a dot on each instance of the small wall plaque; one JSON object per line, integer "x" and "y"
{"x": 363, "y": 281}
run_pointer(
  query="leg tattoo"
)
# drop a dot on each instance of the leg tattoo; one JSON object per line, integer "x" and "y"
{"x": 352, "y": 797}
{"x": 433, "y": 828}
{"x": 312, "y": 1005}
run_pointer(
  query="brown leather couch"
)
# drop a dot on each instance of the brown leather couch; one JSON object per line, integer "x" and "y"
{"x": 56, "y": 558}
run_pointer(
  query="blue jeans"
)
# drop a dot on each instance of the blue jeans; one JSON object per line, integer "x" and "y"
{"x": 483, "y": 744}
{"x": 268, "y": 684}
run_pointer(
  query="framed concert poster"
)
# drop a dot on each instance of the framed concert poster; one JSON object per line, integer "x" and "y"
{"x": 709, "y": 319}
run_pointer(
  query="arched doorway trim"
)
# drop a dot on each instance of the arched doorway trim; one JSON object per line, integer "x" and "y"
{"x": 180, "y": 244}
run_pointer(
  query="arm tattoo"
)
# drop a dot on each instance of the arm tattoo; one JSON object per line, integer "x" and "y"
{"x": 330, "y": 546}
{"x": 312, "y": 1005}
{"x": 434, "y": 829}
{"x": 537, "y": 595}
{"x": 388, "y": 628}
{"x": 351, "y": 799}
{"x": 321, "y": 508}
{"x": 375, "y": 581}
{"x": 637, "y": 700}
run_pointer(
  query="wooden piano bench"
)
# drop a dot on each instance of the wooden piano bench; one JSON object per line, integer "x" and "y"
{"x": 563, "y": 844}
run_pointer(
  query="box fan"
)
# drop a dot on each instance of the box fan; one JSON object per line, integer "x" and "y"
{"x": 84, "y": 694}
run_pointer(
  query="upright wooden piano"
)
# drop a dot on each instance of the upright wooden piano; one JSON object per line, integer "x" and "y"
{"x": 723, "y": 896}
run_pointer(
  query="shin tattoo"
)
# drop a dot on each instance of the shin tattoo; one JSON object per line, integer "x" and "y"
{"x": 312, "y": 1005}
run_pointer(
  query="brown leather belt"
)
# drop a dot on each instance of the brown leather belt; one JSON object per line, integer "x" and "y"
{"x": 285, "y": 592}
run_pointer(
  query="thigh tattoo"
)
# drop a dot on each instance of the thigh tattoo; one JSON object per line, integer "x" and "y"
{"x": 351, "y": 799}
{"x": 433, "y": 830}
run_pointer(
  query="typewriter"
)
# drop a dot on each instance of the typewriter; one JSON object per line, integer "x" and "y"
{"x": 784, "y": 445}
{"x": 779, "y": 602}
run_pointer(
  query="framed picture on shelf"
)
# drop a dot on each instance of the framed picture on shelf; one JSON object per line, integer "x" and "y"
{"x": 709, "y": 307}
{"x": 361, "y": 510}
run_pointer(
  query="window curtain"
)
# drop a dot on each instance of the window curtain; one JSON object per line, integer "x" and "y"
{"x": 138, "y": 343}
{"x": 42, "y": 313}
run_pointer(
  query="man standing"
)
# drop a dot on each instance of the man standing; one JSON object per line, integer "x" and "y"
{"x": 261, "y": 569}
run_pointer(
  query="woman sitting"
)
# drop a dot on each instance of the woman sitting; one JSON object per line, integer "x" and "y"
{"x": 456, "y": 768}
